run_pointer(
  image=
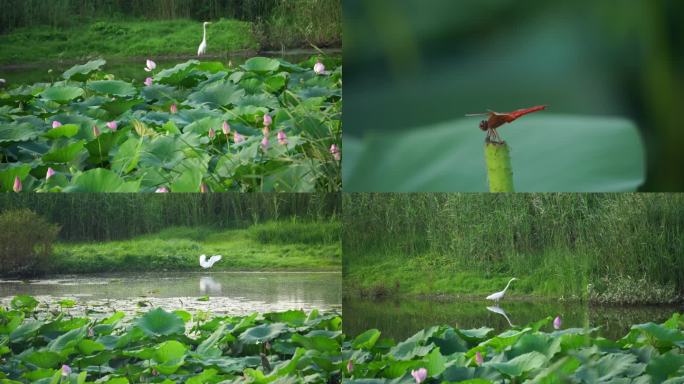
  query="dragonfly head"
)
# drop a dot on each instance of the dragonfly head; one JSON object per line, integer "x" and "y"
{"x": 484, "y": 125}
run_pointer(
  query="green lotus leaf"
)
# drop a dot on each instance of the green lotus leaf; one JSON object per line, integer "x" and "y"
{"x": 64, "y": 152}
{"x": 177, "y": 74}
{"x": 15, "y": 132}
{"x": 66, "y": 130}
{"x": 82, "y": 72}
{"x": 548, "y": 154}
{"x": 262, "y": 333}
{"x": 62, "y": 94}
{"x": 113, "y": 87}
{"x": 261, "y": 65}
{"x": 158, "y": 322}
{"x": 100, "y": 180}
{"x": 217, "y": 95}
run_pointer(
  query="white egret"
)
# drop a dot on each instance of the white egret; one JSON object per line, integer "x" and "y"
{"x": 203, "y": 45}
{"x": 499, "y": 295}
{"x": 204, "y": 263}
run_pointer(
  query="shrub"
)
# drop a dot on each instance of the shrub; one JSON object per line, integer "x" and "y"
{"x": 289, "y": 232}
{"x": 25, "y": 242}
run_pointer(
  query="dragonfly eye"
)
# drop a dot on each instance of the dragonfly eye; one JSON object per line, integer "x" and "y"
{"x": 483, "y": 125}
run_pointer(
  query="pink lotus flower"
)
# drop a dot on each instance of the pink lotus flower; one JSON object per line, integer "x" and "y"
{"x": 17, "y": 185}
{"x": 112, "y": 125}
{"x": 174, "y": 108}
{"x": 66, "y": 370}
{"x": 557, "y": 322}
{"x": 267, "y": 120}
{"x": 50, "y": 172}
{"x": 204, "y": 188}
{"x": 282, "y": 138}
{"x": 335, "y": 151}
{"x": 56, "y": 124}
{"x": 238, "y": 138}
{"x": 225, "y": 128}
{"x": 96, "y": 131}
{"x": 350, "y": 366}
{"x": 478, "y": 358}
{"x": 319, "y": 68}
{"x": 265, "y": 143}
{"x": 420, "y": 375}
{"x": 151, "y": 66}
{"x": 212, "y": 133}
{"x": 148, "y": 81}
{"x": 162, "y": 190}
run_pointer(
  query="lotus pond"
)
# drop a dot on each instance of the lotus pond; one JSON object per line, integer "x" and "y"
{"x": 158, "y": 346}
{"x": 536, "y": 353}
{"x": 265, "y": 125}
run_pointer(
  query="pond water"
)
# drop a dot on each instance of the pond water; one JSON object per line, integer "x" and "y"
{"x": 132, "y": 68}
{"x": 233, "y": 293}
{"x": 400, "y": 319}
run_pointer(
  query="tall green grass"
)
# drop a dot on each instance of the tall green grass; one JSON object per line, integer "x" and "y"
{"x": 103, "y": 217}
{"x": 621, "y": 244}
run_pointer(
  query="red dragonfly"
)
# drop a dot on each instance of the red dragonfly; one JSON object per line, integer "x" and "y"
{"x": 497, "y": 119}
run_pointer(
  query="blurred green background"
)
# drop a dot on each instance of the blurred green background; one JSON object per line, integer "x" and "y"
{"x": 413, "y": 65}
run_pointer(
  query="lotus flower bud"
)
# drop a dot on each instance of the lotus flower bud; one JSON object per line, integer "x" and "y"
{"x": 204, "y": 188}
{"x": 226, "y": 128}
{"x": 56, "y": 124}
{"x": 148, "y": 81}
{"x": 335, "y": 151}
{"x": 238, "y": 138}
{"x": 17, "y": 185}
{"x": 267, "y": 120}
{"x": 66, "y": 370}
{"x": 350, "y": 366}
{"x": 319, "y": 68}
{"x": 420, "y": 375}
{"x": 50, "y": 172}
{"x": 162, "y": 190}
{"x": 96, "y": 131}
{"x": 174, "y": 108}
{"x": 478, "y": 358}
{"x": 112, "y": 125}
{"x": 265, "y": 143}
{"x": 282, "y": 138}
{"x": 212, "y": 133}
{"x": 557, "y": 322}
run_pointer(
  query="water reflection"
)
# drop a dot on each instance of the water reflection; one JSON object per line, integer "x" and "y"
{"x": 400, "y": 319}
{"x": 500, "y": 311}
{"x": 208, "y": 285}
{"x": 229, "y": 292}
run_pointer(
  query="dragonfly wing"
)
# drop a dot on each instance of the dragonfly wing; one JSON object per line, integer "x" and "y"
{"x": 479, "y": 114}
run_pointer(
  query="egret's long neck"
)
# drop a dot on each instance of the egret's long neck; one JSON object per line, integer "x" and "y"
{"x": 205, "y": 32}
{"x": 509, "y": 283}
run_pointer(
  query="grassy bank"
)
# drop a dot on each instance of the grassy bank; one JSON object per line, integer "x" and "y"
{"x": 623, "y": 248}
{"x": 276, "y": 246}
{"x": 121, "y": 39}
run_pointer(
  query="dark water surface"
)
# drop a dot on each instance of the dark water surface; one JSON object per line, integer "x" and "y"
{"x": 402, "y": 318}
{"x": 227, "y": 292}
{"x": 133, "y": 68}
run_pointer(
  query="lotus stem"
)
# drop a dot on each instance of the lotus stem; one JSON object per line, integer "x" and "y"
{"x": 499, "y": 170}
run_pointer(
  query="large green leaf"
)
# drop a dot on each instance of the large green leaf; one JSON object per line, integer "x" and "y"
{"x": 66, "y": 130}
{"x": 177, "y": 74}
{"x": 62, "y": 94}
{"x": 262, "y": 333}
{"x": 64, "y": 152}
{"x": 548, "y": 153}
{"x": 12, "y": 132}
{"x": 158, "y": 322}
{"x": 100, "y": 180}
{"x": 113, "y": 87}
{"x": 261, "y": 65}
{"x": 217, "y": 95}
{"x": 521, "y": 364}
{"x": 82, "y": 72}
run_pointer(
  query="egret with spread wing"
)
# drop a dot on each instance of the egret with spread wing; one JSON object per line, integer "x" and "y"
{"x": 204, "y": 263}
